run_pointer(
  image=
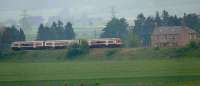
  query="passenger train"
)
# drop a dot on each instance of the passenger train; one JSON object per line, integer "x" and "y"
{"x": 61, "y": 44}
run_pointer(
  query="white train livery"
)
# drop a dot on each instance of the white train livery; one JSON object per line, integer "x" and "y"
{"x": 60, "y": 44}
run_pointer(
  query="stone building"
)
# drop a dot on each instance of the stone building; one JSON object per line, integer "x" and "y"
{"x": 172, "y": 36}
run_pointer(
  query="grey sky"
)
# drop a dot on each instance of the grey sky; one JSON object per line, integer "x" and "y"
{"x": 11, "y": 9}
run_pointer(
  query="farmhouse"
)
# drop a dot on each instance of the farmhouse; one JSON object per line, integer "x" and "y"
{"x": 172, "y": 36}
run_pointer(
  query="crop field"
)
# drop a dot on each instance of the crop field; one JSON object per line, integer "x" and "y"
{"x": 102, "y": 73}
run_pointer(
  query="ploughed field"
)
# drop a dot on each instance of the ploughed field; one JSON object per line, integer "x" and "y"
{"x": 138, "y": 72}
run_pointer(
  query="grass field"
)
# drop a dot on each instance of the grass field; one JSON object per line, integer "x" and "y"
{"x": 101, "y": 67}
{"x": 106, "y": 73}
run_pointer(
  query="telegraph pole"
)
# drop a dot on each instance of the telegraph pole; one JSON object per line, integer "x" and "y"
{"x": 113, "y": 12}
{"x": 95, "y": 33}
{"x": 24, "y": 15}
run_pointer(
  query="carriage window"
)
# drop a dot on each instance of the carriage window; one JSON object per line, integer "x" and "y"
{"x": 100, "y": 41}
{"x": 16, "y": 44}
{"x": 110, "y": 41}
{"x": 48, "y": 43}
{"x": 27, "y": 44}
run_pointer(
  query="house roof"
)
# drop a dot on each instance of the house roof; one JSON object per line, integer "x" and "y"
{"x": 171, "y": 30}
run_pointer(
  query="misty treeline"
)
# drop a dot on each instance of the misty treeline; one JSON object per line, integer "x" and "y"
{"x": 9, "y": 35}
{"x": 57, "y": 31}
{"x": 140, "y": 33}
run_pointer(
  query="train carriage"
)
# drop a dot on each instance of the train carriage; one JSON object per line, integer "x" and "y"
{"x": 107, "y": 42}
{"x": 60, "y": 44}
{"x": 27, "y": 45}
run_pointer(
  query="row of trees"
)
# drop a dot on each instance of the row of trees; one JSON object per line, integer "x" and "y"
{"x": 9, "y": 35}
{"x": 57, "y": 31}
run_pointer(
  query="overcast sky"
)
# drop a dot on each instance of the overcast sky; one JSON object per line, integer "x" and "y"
{"x": 12, "y": 9}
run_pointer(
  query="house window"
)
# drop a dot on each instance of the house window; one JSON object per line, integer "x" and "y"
{"x": 192, "y": 36}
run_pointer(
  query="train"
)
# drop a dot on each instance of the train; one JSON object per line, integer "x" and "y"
{"x": 61, "y": 44}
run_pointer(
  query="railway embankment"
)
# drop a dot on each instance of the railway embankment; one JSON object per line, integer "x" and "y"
{"x": 100, "y": 54}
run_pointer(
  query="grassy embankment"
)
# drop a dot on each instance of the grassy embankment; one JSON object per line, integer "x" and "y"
{"x": 100, "y": 54}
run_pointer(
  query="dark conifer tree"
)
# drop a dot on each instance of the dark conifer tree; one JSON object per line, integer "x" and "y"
{"x": 11, "y": 34}
{"x": 60, "y": 31}
{"x": 54, "y": 31}
{"x": 69, "y": 31}
{"x": 41, "y": 32}
{"x": 158, "y": 19}
{"x": 22, "y": 35}
{"x": 165, "y": 18}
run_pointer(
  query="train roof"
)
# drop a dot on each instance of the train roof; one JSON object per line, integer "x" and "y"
{"x": 106, "y": 39}
{"x": 26, "y": 41}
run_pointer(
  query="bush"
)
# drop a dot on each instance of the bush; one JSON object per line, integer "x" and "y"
{"x": 193, "y": 45}
{"x": 111, "y": 52}
{"x": 78, "y": 49}
{"x": 1, "y": 53}
{"x": 156, "y": 48}
{"x": 180, "y": 52}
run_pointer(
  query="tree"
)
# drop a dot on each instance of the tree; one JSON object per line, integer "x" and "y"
{"x": 54, "y": 35}
{"x": 192, "y": 21}
{"x": 22, "y": 35}
{"x": 139, "y": 24}
{"x": 76, "y": 50}
{"x": 60, "y": 31}
{"x": 133, "y": 40}
{"x": 116, "y": 28}
{"x": 139, "y": 28}
{"x": 57, "y": 31}
{"x": 6, "y": 37}
{"x": 149, "y": 26}
{"x": 11, "y": 34}
{"x": 158, "y": 19}
{"x": 69, "y": 31}
{"x": 165, "y": 18}
{"x": 41, "y": 32}
{"x": 174, "y": 21}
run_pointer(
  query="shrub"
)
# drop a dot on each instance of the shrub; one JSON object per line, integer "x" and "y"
{"x": 180, "y": 52}
{"x": 111, "y": 52}
{"x": 156, "y": 48}
{"x": 1, "y": 53}
{"x": 97, "y": 84}
{"x": 78, "y": 49}
{"x": 193, "y": 45}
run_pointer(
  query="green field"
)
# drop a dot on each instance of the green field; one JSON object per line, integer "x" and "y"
{"x": 124, "y": 67}
{"x": 107, "y": 73}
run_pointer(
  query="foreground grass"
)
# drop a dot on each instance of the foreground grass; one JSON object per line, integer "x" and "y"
{"x": 106, "y": 73}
